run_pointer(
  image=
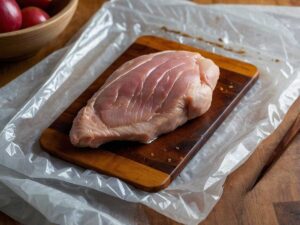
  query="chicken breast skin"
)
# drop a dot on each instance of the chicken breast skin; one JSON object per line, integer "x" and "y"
{"x": 147, "y": 96}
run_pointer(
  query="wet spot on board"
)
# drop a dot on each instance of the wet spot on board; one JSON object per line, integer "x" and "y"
{"x": 276, "y": 60}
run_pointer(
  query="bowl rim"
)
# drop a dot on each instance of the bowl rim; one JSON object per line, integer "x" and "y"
{"x": 53, "y": 19}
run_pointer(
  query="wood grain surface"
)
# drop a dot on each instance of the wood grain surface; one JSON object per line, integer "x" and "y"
{"x": 274, "y": 200}
{"x": 154, "y": 166}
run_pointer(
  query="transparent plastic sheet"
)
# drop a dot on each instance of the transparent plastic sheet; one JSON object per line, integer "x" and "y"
{"x": 63, "y": 193}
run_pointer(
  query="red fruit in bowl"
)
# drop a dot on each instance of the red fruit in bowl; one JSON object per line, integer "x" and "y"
{"x": 10, "y": 16}
{"x": 38, "y": 3}
{"x": 33, "y": 16}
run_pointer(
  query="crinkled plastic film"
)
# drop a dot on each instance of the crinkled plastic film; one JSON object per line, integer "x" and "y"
{"x": 51, "y": 191}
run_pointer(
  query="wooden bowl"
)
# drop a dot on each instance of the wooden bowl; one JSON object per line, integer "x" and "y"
{"x": 23, "y": 43}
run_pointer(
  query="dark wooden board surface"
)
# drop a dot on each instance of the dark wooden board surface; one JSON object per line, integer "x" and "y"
{"x": 152, "y": 167}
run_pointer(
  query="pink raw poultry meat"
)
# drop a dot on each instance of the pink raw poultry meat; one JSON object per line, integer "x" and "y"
{"x": 147, "y": 96}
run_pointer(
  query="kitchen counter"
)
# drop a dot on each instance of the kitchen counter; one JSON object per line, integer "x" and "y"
{"x": 271, "y": 199}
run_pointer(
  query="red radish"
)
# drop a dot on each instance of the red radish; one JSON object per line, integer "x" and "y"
{"x": 10, "y": 16}
{"x": 38, "y": 3}
{"x": 33, "y": 16}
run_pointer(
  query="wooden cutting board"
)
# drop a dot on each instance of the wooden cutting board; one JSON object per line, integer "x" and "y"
{"x": 152, "y": 167}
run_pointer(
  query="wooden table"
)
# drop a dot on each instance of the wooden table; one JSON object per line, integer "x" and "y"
{"x": 275, "y": 199}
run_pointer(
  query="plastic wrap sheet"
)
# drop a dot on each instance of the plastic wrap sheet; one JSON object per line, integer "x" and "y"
{"x": 53, "y": 191}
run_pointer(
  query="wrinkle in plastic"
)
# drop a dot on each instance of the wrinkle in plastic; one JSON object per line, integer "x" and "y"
{"x": 62, "y": 193}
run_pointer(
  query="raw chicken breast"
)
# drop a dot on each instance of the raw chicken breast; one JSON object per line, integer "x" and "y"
{"x": 147, "y": 96}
